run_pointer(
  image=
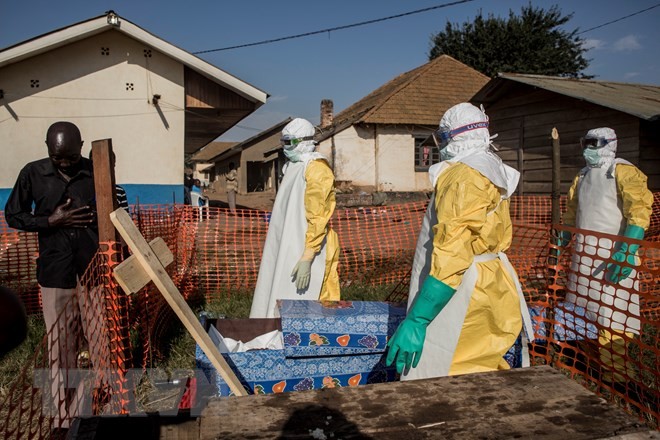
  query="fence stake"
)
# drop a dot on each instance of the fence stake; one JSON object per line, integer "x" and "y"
{"x": 556, "y": 177}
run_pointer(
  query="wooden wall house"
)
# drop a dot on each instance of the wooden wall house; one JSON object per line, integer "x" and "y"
{"x": 523, "y": 109}
{"x": 257, "y": 160}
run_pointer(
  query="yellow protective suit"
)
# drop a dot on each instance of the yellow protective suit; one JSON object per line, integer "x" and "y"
{"x": 474, "y": 220}
{"x": 319, "y": 207}
{"x": 636, "y": 203}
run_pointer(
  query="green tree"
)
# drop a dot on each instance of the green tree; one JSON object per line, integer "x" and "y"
{"x": 530, "y": 43}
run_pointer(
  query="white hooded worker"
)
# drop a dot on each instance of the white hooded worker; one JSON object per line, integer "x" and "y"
{"x": 301, "y": 252}
{"x": 465, "y": 306}
{"x": 610, "y": 196}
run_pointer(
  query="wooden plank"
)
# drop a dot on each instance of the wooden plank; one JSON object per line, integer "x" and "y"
{"x": 131, "y": 276}
{"x": 545, "y": 187}
{"x": 536, "y": 402}
{"x": 566, "y": 173}
{"x": 162, "y": 280}
{"x": 104, "y": 186}
{"x": 521, "y": 154}
{"x": 556, "y": 176}
{"x": 648, "y": 435}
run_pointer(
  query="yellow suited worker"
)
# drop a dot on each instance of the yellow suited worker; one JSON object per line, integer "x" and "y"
{"x": 465, "y": 307}
{"x": 611, "y": 196}
{"x": 301, "y": 252}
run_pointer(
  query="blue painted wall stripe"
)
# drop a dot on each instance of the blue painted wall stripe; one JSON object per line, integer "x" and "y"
{"x": 147, "y": 194}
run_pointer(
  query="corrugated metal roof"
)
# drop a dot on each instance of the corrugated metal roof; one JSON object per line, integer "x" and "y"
{"x": 240, "y": 146}
{"x": 211, "y": 150}
{"x": 639, "y": 100}
{"x": 417, "y": 97}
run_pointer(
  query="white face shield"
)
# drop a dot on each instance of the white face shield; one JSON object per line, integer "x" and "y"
{"x": 463, "y": 131}
{"x": 599, "y": 147}
{"x": 298, "y": 139}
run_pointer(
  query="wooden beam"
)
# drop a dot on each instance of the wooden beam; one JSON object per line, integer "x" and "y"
{"x": 556, "y": 177}
{"x": 521, "y": 157}
{"x": 104, "y": 186}
{"x": 131, "y": 276}
{"x": 149, "y": 261}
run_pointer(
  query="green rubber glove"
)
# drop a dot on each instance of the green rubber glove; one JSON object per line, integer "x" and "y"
{"x": 626, "y": 253}
{"x": 406, "y": 344}
{"x": 302, "y": 271}
{"x": 564, "y": 238}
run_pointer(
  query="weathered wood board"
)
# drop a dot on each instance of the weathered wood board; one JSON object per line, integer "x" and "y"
{"x": 532, "y": 403}
{"x": 538, "y": 403}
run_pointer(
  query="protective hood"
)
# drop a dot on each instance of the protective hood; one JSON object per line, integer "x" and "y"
{"x": 466, "y": 126}
{"x": 301, "y": 131}
{"x": 601, "y": 157}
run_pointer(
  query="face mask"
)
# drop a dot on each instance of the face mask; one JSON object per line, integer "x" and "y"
{"x": 592, "y": 157}
{"x": 292, "y": 155}
{"x": 445, "y": 154}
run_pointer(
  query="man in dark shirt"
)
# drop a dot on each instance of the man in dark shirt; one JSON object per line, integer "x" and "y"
{"x": 55, "y": 197}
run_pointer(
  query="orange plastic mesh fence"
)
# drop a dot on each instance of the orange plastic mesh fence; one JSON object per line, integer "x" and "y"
{"x": 217, "y": 253}
{"x": 601, "y": 321}
{"x": 79, "y": 367}
{"x": 18, "y": 270}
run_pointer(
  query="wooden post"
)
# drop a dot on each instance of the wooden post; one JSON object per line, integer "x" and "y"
{"x": 104, "y": 185}
{"x": 521, "y": 161}
{"x": 556, "y": 177}
{"x": 152, "y": 266}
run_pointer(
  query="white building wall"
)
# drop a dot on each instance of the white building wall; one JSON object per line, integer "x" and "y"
{"x": 396, "y": 161}
{"x": 396, "y": 167}
{"x": 386, "y": 165}
{"x": 78, "y": 83}
{"x": 354, "y": 159}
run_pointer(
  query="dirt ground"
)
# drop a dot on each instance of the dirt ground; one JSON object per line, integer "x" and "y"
{"x": 262, "y": 201}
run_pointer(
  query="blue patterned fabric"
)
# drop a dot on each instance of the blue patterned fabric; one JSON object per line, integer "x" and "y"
{"x": 269, "y": 371}
{"x": 513, "y": 357}
{"x": 570, "y": 323}
{"x": 331, "y": 328}
{"x": 326, "y": 344}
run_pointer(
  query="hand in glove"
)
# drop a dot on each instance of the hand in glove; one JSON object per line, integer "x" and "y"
{"x": 406, "y": 344}
{"x": 626, "y": 253}
{"x": 562, "y": 240}
{"x": 302, "y": 271}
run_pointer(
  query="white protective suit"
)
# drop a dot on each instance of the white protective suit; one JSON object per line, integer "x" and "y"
{"x": 596, "y": 203}
{"x": 609, "y": 196}
{"x": 463, "y": 246}
{"x": 298, "y": 227}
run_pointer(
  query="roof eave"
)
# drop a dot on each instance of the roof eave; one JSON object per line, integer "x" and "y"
{"x": 520, "y": 79}
{"x": 53, "y": 40}
{"x": 97, "y": 25}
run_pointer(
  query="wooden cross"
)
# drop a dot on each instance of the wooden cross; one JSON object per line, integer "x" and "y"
{"x": 148, "y": 264}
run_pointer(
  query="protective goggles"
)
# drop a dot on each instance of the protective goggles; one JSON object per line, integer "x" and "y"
{"x": 291, "y": 142}
{"x": 442, "y": 137}
{"x": 594, "y": 143}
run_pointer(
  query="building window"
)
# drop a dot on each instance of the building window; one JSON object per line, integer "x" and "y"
{"x": 426, "y": 153}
